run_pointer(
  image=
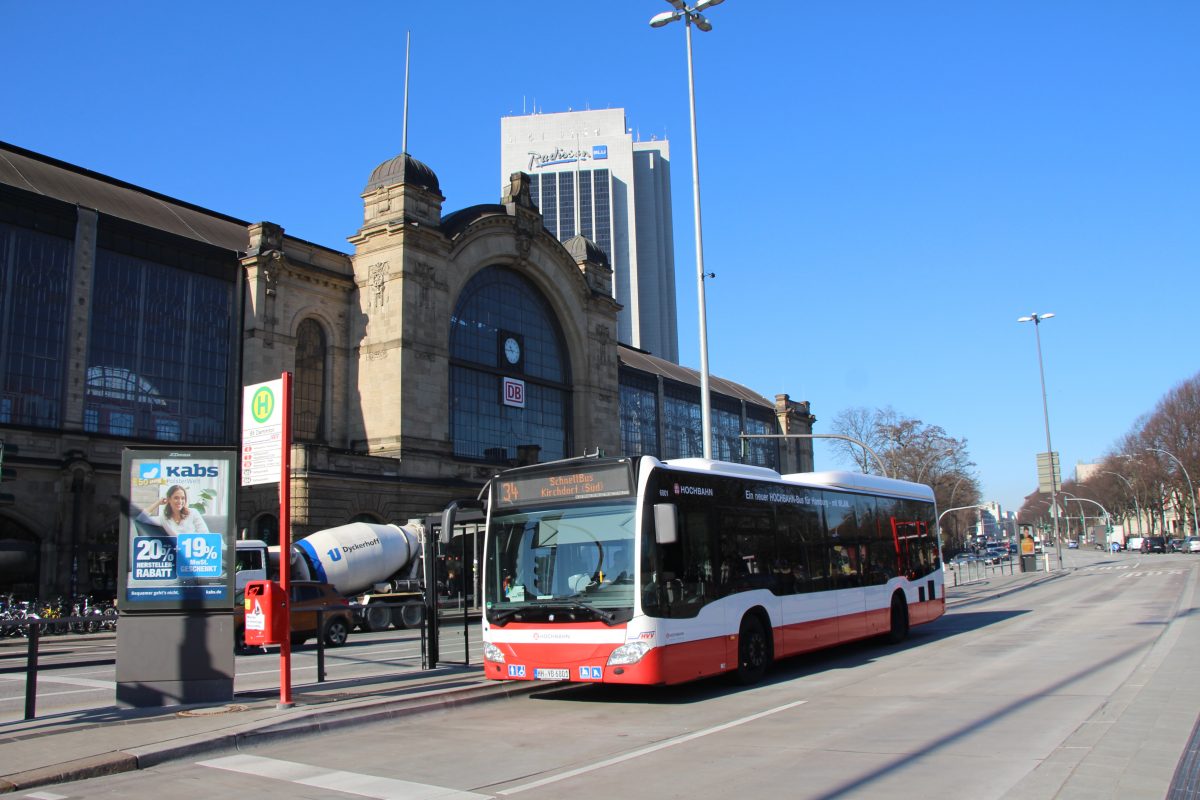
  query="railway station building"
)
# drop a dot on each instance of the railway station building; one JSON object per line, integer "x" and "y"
{"x": 443, "y": 347}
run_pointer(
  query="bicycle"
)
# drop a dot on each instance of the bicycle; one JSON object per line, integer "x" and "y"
{"x": 52, "y": 616}
{"x": 109, "y": 622}
{"x": 86, "y": 617}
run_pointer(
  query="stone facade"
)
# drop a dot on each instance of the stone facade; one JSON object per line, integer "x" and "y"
{"x": 385, "y": 449}
{"x": 386, "y": 310}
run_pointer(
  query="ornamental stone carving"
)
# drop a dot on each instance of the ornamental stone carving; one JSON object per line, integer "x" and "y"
{"x": 376, "y": 281}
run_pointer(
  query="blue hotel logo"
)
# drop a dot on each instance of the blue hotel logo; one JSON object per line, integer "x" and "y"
{"x": 599, "y": 151}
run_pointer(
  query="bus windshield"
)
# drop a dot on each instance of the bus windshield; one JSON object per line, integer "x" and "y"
{"x": 570, "y": 564}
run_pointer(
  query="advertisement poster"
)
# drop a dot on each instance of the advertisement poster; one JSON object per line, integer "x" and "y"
{"x": 178, "y": 529}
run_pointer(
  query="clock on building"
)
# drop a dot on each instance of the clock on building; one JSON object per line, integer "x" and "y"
{"x": 512, "y": 349}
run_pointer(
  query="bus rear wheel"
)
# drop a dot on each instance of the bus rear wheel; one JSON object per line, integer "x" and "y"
{"x": 754, "y": 650}
{"x": 899, "y": 629}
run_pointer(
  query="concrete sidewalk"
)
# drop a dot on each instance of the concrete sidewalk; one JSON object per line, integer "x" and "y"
{"x": 996, "y": 584}
{"x": 84, "y": 744}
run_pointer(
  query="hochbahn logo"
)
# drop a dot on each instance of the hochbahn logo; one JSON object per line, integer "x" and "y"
{"x": 701, "y": 491}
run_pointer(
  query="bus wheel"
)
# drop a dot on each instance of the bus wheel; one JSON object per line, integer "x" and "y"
{"x": 899, "y": 630}
{"x": 754, "y": 650}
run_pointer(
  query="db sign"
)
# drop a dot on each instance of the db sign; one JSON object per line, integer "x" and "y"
{"x": 514, "y": 393}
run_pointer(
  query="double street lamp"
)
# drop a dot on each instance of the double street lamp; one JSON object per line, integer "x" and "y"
{"x": 1082, "y": 517}
{"x": 1036, "y": 319}
{"x": 692, "y": 16}
{"x": 1133, "y": 493}
{"x": 1191, "y": 490}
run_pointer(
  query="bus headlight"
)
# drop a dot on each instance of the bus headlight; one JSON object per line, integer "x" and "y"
{"x": 493, "y": 653}
{"x": 628, "y": 653}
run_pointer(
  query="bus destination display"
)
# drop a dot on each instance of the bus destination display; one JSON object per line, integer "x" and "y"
{"x": 580, "y": 484}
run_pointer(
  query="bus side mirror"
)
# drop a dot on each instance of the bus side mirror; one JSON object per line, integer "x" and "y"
{"x": 666, "y": 528}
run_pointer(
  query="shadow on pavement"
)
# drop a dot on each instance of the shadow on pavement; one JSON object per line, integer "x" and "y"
{"x": 846, "y": 656}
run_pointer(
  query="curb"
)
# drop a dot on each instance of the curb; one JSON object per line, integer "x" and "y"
{"x": 317, "y": 720}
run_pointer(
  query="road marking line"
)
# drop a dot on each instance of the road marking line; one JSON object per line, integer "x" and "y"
{"x": 338, "y": 780}
{"x": 46, "y": 796}
{"x": 52, "y": 694}
{"x": 69, "y": 681}
{"x": 648, "y": 750}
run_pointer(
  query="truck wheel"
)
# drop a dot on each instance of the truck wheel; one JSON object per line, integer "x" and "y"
{"x": 337, "y": 630}
{"x": 409, "y": 615}
{"x": 377, "y": 618}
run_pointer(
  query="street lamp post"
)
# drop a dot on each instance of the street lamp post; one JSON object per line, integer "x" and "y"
{"x": 863, "y": 445}
{"x": 692, "y": 16}
{"x": 1036, "y": 319}
{"x": 1081, "y": 501}
{"x": 1191, "y": 490}
{"x": 1133, "y": 493}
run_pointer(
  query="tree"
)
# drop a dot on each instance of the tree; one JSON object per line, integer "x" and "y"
{"x": 1151, "y": 481}
{"x": 910, "y": 449}
{"x": 913, "y": 451}
{"x": 864, "y": 425}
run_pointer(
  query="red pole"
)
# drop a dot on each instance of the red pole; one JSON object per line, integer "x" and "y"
{"x": 285, "y": 544}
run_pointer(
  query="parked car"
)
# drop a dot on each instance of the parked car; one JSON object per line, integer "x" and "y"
{"x": 1191, "y": 544}
{"x": 307, "y": 598}
{"x": 1134, "y": 543}
{"x": 961, "y": 559}
{"x": 994, "y": 556}
{"x": 1154, "y": 544}
{"x": 1072, "y": 544}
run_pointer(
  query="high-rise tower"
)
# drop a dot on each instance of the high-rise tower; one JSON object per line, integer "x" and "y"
{"x": 589, "y": 177}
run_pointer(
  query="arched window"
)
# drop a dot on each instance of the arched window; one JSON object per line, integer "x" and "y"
{"x": 309, "y": 418}
{"x": 20, "y": 556}
{"x": 266, "y": 527}
{"x": 509, "y": 376}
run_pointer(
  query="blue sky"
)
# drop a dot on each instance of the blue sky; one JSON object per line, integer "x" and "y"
{"x": 886, "y": 186}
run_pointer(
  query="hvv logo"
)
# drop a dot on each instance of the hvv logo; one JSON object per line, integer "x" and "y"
{"x": 149, "y": 471}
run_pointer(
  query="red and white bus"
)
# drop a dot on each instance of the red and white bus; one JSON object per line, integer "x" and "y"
{"x": 656, "y": 572}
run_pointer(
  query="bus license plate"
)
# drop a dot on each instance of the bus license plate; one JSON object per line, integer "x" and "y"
{"x": 551, "y": 674}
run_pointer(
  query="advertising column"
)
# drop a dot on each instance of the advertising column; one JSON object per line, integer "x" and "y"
{"x": 175, "y": 576}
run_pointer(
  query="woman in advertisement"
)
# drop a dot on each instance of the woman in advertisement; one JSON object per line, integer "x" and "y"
{"x": 176, "y": 517}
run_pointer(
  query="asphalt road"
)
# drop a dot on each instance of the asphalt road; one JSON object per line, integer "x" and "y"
{"x": 971, "y": 705}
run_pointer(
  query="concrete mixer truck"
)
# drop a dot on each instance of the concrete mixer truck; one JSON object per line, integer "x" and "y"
{"x": 376, "y": 567}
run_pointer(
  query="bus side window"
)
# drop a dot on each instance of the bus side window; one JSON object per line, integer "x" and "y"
{"x": 697, "y": 573}
{"x": 678, "y": 577}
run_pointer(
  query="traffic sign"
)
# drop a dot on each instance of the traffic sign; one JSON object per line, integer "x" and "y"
{"x": 262, "y": 433}
{"x": 1049, "y": 472}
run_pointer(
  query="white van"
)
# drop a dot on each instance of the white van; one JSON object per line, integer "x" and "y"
{"x": 1134, "y": 543}
{"x": 251, "y": 562}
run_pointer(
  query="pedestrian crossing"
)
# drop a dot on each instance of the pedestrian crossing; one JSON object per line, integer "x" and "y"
{"x": 1133, "y": 571}
{"x": 371, "y": 786}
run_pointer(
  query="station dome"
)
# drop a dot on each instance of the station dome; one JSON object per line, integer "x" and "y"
{"x": 583, "y": 249}
{"x": 403, "y": 169}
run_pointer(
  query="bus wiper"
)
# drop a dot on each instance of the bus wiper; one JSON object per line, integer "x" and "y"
{"x": 499, "y": 616}
{"x": 607, "y": 617}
